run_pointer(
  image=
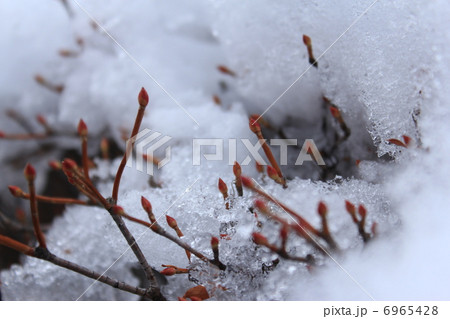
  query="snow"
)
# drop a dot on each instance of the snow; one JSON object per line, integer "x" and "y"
{"x": 390, "y": 65}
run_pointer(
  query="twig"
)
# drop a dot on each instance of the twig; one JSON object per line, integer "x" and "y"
{"x": 174, "y": 225}
{"x": 215, "y": 249}
{"x": 30, "y": 175}
{"x": 17, "y": 192}
{"x": 155, "y": 227}
{"x": 143, "y": 101}
{"x": 256, "y": 129}
{"x": 83, "y": 132}
{"x": 307, "y": 41}
{"x": 116, "y": 215}
{"x": 44, "y": 254}
{"x": 247, "y": 182}
{"x": 262, "y": 241}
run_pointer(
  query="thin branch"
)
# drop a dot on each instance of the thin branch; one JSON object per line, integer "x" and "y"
{"x": 30, "y": 175}
{"x": 134, "y": 247}
{"x": 44, "y": 254}
{"x": 17, "y": 192}
{"x": 143, "y": 101}
{"x": 256, "y": 129}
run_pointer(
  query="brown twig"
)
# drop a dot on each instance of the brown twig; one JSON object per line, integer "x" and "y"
{"x": 171, "y": 270}
{"x": 17, "y": 192}
{"x": 45, "y": 83}
{"x": 73, "y": 173}
{"x": 160, "y": 231}
{"x": 225, "y": 70}
{"x": 30, "y": 175}
{"x": 361, "y": 222}
{"x": 17, "y": 246}
{"x": 215, "y": 249}
{"x": 256, "y": 129}
{"x": 262, "y": 241}
{"x": 322, "y": 209}
{"x": 301, "y": 231}
{"x": 83, "y": 132}
{"x": 116, "y": 213}
{"x": 247, "y": 182}
{"x": 143, "y": 102}
{"x": 174, "y": 225}
{"x": 307, "y": 41}
{"x": 155, "y": 227}
{"x": 44, "y": 254}
{"x": 104, "y": 148}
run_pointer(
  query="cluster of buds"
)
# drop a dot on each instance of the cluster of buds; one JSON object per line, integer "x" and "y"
{"x": 337, "y": 115}
{"x": 48, "y": 85}
{"x": 255, "y": 127}
{"x": 361, "y": 221}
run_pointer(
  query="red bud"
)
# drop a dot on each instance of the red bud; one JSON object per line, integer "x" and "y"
{"x": 29, "y": 172}
{"x": 374, "y": 229}
{"x": 247, "y": 182}
{"x": 407, "y": 139}
{"x": 82, "y": 128}
{"x": 260, "y": 239}
{"x": 225, "y": 70}
{"x": 222, "y": 187}
{"x": 259, "y": 167}
{"x": 118, "y": 210}
{"x": 272, "y": 173}
{"x": 217, "y": 100}
{"x": 322, "y": 209}
{"x": 306, "y": 40}
{"x": 396, "y": 142}
{"x": 261, "y": 205}
{"x": 254, "y": 125}
{"x": 2, "y": 134}
{"x": 15, "y": 191}
{"x": 362, "y": 211}
{"x": 69, "y": 164}
{"x": 171, "y": 222}
{"x": 146, "y": 204}
{"x": 214, "y": 243}
{"x": 168, "y": 271}
{"x": 41, "y": 119}
{"x": 143, "y": 98}
{"x": 237, "y": 169}
{"x": 335, "y": 112}
{"x": 55, "y": 165}
{"x": 350, "y": 207}
{"x": 39, "y": 79}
